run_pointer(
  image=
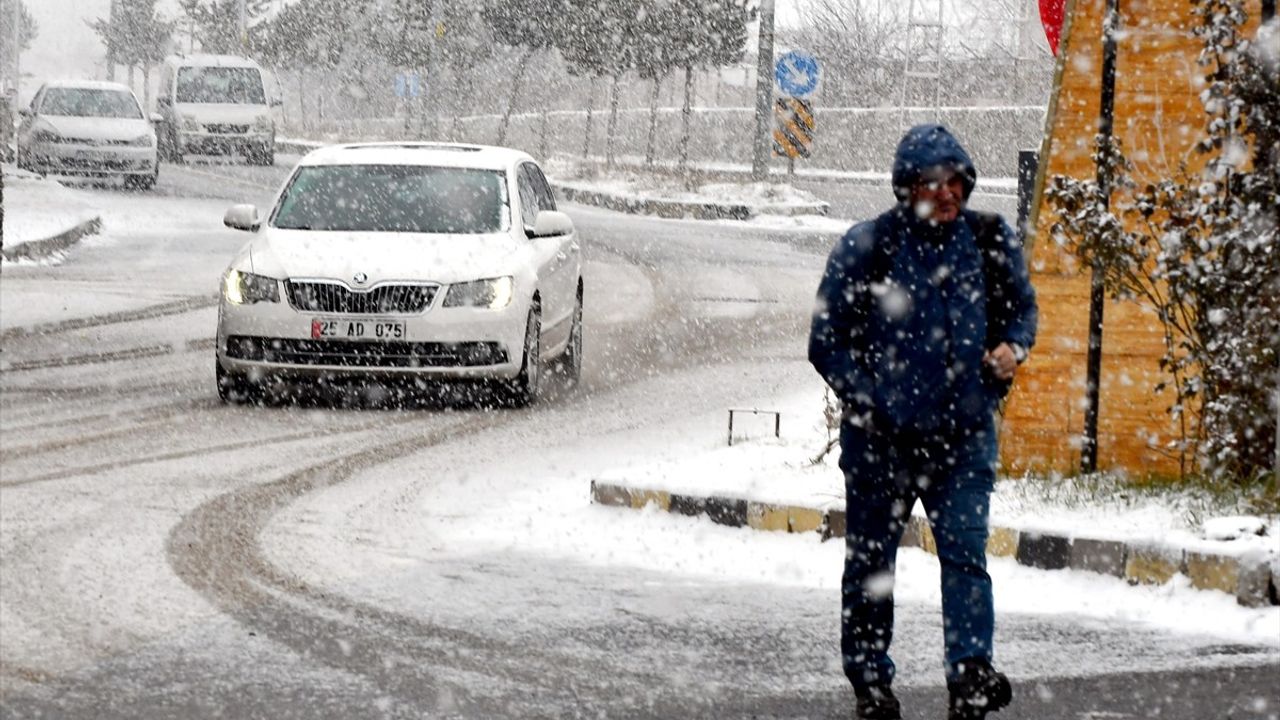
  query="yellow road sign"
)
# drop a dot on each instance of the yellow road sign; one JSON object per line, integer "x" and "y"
{"x": 793, "y": 127}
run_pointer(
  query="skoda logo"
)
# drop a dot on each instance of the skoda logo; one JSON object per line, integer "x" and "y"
{"x": 361, "y": 278}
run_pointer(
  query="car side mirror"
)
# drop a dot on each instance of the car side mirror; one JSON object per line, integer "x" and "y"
{"x": 25, "y": 113}
{"x": 550, "y": 223}
{"x": 241, "y": 217}
{"x": 276, "y": 101}
{"x": 156, "y": 118}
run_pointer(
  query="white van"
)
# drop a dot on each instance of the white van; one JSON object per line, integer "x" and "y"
{"x": 216, "y": 104}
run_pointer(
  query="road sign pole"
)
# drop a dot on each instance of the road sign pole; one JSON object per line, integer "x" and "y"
{"x": 764, "y": 95}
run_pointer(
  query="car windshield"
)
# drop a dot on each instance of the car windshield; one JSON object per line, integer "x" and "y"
{"x": 232, "y": 85}
{"x": 89, "y": 102}
{"x": 394, "y": 198}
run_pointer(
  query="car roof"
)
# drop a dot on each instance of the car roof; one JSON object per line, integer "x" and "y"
{"x": 203, "y": 60}
{"x": 88, "y": 85}
{"x": 485, "y": 157}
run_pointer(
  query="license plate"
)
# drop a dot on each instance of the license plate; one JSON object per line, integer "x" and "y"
{"x": 348, "y": 329}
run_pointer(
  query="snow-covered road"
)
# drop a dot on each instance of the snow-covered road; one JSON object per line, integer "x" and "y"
{"x": 163, "y": 555}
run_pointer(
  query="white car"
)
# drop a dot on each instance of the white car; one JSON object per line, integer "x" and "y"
{"x": 419, "y": 260}
{"x": 216, "y": 104}
{"x": 88, "y": 128}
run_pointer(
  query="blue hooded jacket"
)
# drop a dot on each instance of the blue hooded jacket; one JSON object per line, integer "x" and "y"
{"x": 907, "y": 308}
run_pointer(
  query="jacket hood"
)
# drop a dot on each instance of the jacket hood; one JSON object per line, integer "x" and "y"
{"x": 930, "y": 146}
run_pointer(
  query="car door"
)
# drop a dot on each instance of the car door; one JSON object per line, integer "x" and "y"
{"x": 565, "y": 260}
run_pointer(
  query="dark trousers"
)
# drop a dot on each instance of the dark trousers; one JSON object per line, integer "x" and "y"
{"x": 884, "y": 475}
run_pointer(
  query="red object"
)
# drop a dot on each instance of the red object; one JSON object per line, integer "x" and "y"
{"x": 1051, "y": 14}
{"x": 317, "y": 330}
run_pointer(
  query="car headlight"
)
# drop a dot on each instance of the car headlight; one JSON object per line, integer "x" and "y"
{"x": 262, "y": 123}
{"x": 190, "y": 123}
{"x": 494, "y": 294}
{"x": 242, "y": 288}
{"x": 141, "y": 141}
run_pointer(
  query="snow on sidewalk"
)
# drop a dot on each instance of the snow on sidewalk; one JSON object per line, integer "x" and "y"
{"x": 38, "y": 209}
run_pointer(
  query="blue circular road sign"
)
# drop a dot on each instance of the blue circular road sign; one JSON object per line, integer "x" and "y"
{"x": 796, "y": 73}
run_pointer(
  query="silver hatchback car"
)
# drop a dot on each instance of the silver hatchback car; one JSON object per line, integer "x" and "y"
{"x": 88, "y": 128}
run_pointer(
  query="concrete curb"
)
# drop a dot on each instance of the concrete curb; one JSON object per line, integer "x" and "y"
{"x": 666, "y": 208}
{"x": 1250, "y": 579}
{"x": 41, "y": 249}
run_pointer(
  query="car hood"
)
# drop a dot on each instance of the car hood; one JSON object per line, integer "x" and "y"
{"x": 383, "y": 256}
{"x": 222, "y": 114}
{"x": 95, "y": 128}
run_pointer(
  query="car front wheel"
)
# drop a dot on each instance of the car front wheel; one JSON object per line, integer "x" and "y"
{"x": 571, "y": 361}
{"x": 526, "y": 386}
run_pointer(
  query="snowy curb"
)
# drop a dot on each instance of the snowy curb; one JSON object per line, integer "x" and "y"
{"x": 1250, "y": 578}
{"x": 44, "y": 248}
{"x": 690, "y": 209}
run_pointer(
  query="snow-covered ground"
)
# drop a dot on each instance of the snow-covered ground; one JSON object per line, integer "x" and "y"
{"x": 547, "y": 512}
{"x": 36, "y": 208}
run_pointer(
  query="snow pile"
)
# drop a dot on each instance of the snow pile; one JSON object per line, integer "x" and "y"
{"x": 37, "y": 209}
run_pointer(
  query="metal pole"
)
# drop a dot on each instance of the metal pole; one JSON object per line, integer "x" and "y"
{"x": 1097, "y": 294}
{"x": 764, "y": 95}
{"x": 243, "y": 26}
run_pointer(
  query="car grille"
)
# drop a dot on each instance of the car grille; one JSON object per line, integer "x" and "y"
{"x": 91, "y": 142}
{"x": 344, "y": 353}
{"x": 227, "y": 129}
{"x": 382, "y": 300}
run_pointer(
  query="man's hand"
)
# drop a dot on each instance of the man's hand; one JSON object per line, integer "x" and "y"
{"x": 1002, "y": 361}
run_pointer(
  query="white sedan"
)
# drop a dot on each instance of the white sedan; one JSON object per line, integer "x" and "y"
{"x": 88, "y": 128}
{"x": 404, "y": 259}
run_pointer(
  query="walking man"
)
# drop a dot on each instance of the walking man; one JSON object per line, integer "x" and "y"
{"x": 923, "y": 316}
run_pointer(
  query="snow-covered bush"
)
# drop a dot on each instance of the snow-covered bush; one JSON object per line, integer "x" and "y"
{"x": 1203, "y": 250}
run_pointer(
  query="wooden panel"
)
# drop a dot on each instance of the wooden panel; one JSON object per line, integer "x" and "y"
{"x": 1158, "y": 117}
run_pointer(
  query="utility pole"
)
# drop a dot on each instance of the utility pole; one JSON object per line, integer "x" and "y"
{"x": 1097, "y": 291}
{"x": 764, "y": 96}
{"x": 243, "y": 26}
{"x": 111, "y": 41}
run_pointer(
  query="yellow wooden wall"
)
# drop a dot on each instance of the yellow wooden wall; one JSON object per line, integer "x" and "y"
{"x": 1158, "y": 117}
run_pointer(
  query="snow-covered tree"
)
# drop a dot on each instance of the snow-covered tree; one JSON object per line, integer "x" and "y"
{"x": 217, "y": 25}
{"x": 1203, "y": 249}
{"x": 135, "y": 36}
{"x": 27, "y": 24}
{"x": 530, "y": 27}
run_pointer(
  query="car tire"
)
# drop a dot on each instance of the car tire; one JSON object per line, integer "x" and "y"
{"x": 524, "y": 389}
{"x": 234, "y": 388}
{"x": 571, "y": 360}
{"x": 264, "y": 155}
{"x": 141, "y": 182}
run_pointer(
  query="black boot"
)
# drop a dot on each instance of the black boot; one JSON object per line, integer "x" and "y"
{"x": 876, "y": 702}
{"x": 978, "y": 691}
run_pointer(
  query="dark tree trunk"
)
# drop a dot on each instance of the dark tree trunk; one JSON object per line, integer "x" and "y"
{"x": 302, "y": 101}
{"x": 686, "y": 116}
{"x": 586, "y": 135}
{"x": 654, "y": 99}
{"x": 613, "y": 122}
{"x": 521, "y": 68}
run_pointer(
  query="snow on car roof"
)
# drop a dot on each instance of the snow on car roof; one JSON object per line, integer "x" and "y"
{"x": 88, "y": 85}
{"x": 417, "y": 153}
{"x": 201, "y": 60}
